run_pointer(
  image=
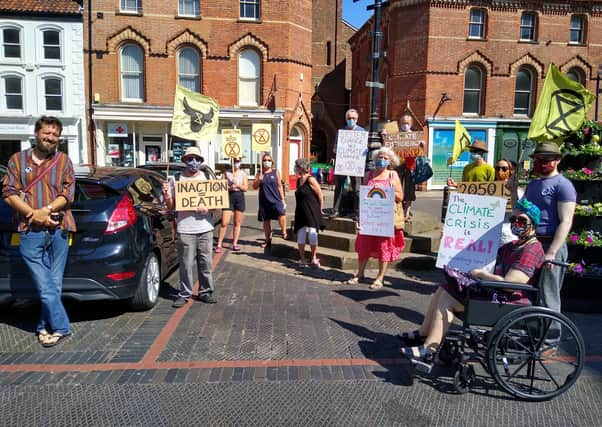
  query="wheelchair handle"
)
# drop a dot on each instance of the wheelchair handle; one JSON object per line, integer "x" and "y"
{"x": 506, "y": 285}
{"x": 558, "y": 263}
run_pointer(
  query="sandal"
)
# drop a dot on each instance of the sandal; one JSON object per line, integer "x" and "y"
{"x": 266, "y": 244}
{"x": 303, "y": 263}
{"x": 410, "y": 338}
{"x": 420, "y": 356}
{"x": 354, "y": 280}
{"x": 236, "y": 248}
{"x": 284, "y": 235}
{"x": 43, "y": 334}
{"x": 315, "y": 262}
{"x": 54, "y": 339}
{"x": 218, "y": 249}
{"x": 377, "y": 284}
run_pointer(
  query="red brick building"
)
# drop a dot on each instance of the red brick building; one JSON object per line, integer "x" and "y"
{"x": 253, "y": 56}
{"x": 483, "y": 63}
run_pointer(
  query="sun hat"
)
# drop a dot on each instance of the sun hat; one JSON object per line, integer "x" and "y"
{"x": 548, "y": 148}
{"x": 478, "y": 145}
{"x": 193, "y": 151}
{"x": 529, "y": 209}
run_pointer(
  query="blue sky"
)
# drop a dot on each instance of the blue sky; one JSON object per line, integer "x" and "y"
{"x": 356, "y": 13}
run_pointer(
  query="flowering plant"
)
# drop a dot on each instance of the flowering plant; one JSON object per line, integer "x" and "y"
{"x": 584, "y": 174}
{"x": 587, "y": 238}
{"x": 582, "y": 268}
{"x": 584, "y": 140}
{"x": 585, "y": 209}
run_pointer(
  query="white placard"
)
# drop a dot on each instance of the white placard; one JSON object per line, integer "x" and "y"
{"x": 352, "y": 146}
{"x": 377, "y": 211}
{"x": 471, "y": 233}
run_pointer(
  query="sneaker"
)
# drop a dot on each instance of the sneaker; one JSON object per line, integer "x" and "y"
{"x": 333, "y": 215}
{"x": 207, "y": 298}
{"x": 179, "y": 302}
{"x": 315, "y": 262}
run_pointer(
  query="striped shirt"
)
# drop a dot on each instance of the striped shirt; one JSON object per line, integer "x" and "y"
{"x": 60, "y": 181}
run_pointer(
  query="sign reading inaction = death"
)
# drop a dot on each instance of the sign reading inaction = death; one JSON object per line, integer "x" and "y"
{"x": 193, "y": 194}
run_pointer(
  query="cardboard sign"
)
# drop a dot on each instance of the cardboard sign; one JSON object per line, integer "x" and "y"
{"x": 261, "y": 136}
{"x": 495, "y": 188}
{"x": 405, "y": 144}
{"x": 352, "y": 147}
{"x": 391, "y": 127}
{"x": 377, "y": 211}
{"x": 231, "y": 143}
{"x": 471, "y": 232}
{"x": 192, "y": 194}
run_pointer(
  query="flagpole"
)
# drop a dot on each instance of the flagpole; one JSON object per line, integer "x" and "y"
{"x": 168, "y": 160}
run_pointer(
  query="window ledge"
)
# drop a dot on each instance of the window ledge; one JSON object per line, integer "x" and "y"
{"x": 249, "y": 20}
{"x": 128, "y": 13}
{"x": 574, "y": 44}
{"x": 520, "y": 116}
{"x": 189, "y": 17}
{"x": 528, "y": 41}
{"x": 471, "y": 115}
{"x": 476, "y": 39}
{"x": 132, "y": 101}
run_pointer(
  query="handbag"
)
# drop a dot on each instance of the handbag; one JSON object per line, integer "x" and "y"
{"x": 423, "y": 171}
{"x": 399, "y": 219}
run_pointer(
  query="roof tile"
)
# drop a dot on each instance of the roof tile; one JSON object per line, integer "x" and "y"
{"x": 40, "y": 6}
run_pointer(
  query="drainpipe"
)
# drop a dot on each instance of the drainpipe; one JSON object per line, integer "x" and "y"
{"x": 91, "y": 124}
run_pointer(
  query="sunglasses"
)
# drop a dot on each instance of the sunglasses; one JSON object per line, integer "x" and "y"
{"x": 545, "y": 159}
{"x": 520, "y": 220}
{"x": 501, "y": 168}
{"x": 198, "y": 159}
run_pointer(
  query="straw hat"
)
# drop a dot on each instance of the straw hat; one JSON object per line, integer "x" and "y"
{"x": 193, "y": 151}
{"x": 478, "y": 145}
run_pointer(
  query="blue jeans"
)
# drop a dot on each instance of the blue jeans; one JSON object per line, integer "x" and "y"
{"x": 45, "y": 254}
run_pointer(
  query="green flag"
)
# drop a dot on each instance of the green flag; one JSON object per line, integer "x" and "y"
{"x": 461, "y": 142}
{"x": 195, "y": 116}
{"x": 561, "y": 108}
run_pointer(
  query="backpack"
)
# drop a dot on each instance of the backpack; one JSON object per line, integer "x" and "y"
{"x": 423, "y": 171}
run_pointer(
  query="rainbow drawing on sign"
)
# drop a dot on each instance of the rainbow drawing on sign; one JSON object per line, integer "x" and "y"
{"x": 376, "y": 192}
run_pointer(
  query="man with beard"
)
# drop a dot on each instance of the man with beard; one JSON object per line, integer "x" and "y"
{"x": 40, "y": 185}
{"x": 556, "y": 197}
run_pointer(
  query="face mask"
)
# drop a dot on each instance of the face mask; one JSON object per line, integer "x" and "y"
{"x": 267, "y": 164}
{"x": 475, "y": 157}
{"x": 351, "y": 123}
{"x": 236, "y": 165}
{"x": 541, "y": 167}
{"x": 519, "y": 230}
{"x": 193, "y": 165}
{"x": 405, "y": 127}
{"x": 381, "y": 163}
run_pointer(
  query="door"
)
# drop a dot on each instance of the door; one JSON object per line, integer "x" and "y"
{"x": 151, "y": 150}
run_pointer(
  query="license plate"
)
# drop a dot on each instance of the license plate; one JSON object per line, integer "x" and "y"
{"x": 14, "y": 239}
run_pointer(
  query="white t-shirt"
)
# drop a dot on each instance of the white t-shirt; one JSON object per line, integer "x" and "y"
{"x": 190, "y": 222}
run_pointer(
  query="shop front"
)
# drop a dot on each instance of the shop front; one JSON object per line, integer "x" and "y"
{"x": 512, "y": 143}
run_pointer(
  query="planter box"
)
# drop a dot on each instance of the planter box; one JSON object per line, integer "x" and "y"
{"x": 587, "y": 254}
{"x": 582, "y": 294}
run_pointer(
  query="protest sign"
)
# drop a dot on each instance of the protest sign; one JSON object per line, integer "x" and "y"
{"x": 377, "y": 211}
{"x": 405, "y": 144}
{"x": 231, "y": 143}
{"x": 261, "y": 136}
{"x": 471, "y": 232}
{"x": 487, "y": 188}
{"x": 352, "y": 146}
{"x": 193, "y": 194}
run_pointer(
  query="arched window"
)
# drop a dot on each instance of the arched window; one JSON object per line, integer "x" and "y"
{"x": 522, "y": 92}
{"x": 11, "y": 43}
{"x": 51, "y": 45}
{"x": 53, "y": 93}
{"x": 249, "y": 70}
{"x": 473, "y": 88}
{"x": 12, "y": 91}
{"x": 576, "y": 75}
{"x": 528, "y": 26}
{"x": 189, "y": 69}
{"x": 132, "y": 73}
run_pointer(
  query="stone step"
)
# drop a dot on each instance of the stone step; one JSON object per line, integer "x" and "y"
{"x": 426, "y": 243}
{"x": 335, "y": 258}
{"x": 332, "y": 239}
{"x": 422, "y": 222}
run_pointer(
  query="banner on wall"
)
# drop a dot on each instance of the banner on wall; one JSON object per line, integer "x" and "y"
{"x": 261, "y": 136}
{"x": 471, "y": 232}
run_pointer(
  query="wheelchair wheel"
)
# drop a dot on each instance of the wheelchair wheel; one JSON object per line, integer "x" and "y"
{"x": 463, "y": 378}
{"x": 527, "y": 359}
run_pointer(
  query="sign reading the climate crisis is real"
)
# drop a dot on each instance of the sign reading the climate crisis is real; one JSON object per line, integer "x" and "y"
{"x": 471, "y": 232}
{"x": 194, "y": 194}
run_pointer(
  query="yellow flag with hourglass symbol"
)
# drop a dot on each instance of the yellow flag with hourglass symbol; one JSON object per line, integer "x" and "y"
{"x": 261, "y": 136}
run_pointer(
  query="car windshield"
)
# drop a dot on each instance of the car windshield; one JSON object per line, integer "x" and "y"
{"x": 92, "y": 191}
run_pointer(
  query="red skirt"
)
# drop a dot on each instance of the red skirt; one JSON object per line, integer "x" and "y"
{"x": 384, "y": 249}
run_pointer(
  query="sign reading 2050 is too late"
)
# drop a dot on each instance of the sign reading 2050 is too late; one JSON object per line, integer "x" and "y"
{"x": 193, "y": 194}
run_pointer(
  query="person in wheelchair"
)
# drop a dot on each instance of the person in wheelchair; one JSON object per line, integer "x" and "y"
{"x": 518, "y": 261}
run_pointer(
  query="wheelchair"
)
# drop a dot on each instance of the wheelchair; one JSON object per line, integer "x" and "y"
{"x": 532, "y": 352}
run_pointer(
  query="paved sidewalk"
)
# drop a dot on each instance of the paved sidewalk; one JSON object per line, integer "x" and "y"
{"x": 285, "y": 345}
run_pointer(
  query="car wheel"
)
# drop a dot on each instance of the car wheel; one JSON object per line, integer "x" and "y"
{"x": 148, "y": 288}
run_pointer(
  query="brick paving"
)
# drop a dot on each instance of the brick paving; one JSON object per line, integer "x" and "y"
{"x": 284, "y": 346}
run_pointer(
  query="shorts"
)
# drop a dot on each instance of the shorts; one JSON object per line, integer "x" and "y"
{"x": 237, "y": 201}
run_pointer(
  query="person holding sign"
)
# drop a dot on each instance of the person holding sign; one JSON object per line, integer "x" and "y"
{"x": 195, "y": 237}
{"x": 237, "y": 185}
{"x": 271, "y": 199}
{"x": 351, "y": 117}
{"x": 385, "y": 249}
{"x": 477, "y": 170}
{"x": 517, "y": 262}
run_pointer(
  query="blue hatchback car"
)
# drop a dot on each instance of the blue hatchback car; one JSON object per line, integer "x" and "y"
{"x": 124, "y": 245}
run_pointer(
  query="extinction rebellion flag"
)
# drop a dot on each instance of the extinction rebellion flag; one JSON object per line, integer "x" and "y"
{"x": 561, "y": 107}
{"x": 461, "y": 143}
{"x": 195, "y": 116}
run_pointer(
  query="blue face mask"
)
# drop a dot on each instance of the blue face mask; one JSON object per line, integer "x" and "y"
{"x": 351, "y": 123}
{"x": 193, "y": 164}
{"x": 518, "y": 230}
{"x": 381, "y": 163}
{"x": 475, "y": 157}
